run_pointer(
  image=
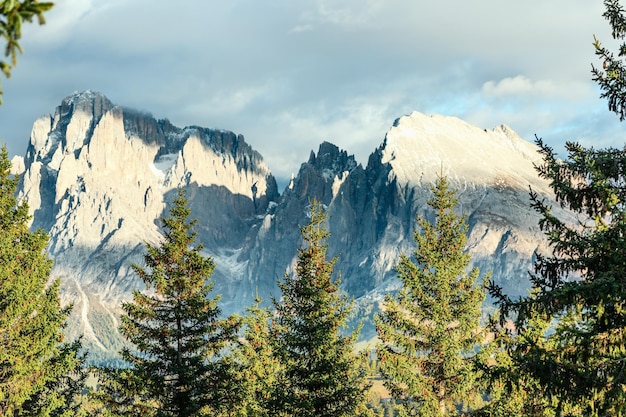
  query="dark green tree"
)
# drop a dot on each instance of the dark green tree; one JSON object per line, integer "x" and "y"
{"x": 176, "y": 366}
{"x": 39, "y": 374}
{"x": 322, "y": 374}
{"x": 513, "y": 390}
{"x": 581, "y": 283}
{"x": 13, "y": 13}
{"x": 429, "y": 331}
{"x": 611, "y": 74}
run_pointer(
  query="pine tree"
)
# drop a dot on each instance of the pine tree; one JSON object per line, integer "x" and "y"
{"x": 256, "y": 365}
{"x": 611, "y": 76}
{"x": 429, "y": 330}
{"x": 322, "y": 375}
{"x": 12, "y": 15}
{"x": 176, "y": 366}
{"x": 39, "y": 374}
{"x": 582, "y": 283}
{"x": 513, "y": 390}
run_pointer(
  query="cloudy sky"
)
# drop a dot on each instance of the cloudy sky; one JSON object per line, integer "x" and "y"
{"x": 291, "y": 74}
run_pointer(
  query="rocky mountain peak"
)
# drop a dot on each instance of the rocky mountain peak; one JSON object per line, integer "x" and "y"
{"x": 324, "y": 172}
{"x": 159, "y": 132}
{"x": 420, "y": 147}
{"x": 98, "y": 177}
{"x": 90, "y": 102}
{"x": 332, "y": 159}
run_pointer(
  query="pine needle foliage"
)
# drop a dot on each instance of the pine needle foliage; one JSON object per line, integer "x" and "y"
{"x": 429, "y": 331}
{"x": 512, "y": 352}
{"x": 321, "y": 373}
{"x": 611, "y": 75}
{"x": 582, "y": 283}
{"x": 255, "y": 364}
{"x": 39, "y": 373}
{"x": 176, "y": 366}
{"x": 13, "y": 13}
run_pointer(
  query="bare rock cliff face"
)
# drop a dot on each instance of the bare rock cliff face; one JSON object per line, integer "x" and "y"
{"x": 98, "y": 176}
{"x": 372, "y": 210}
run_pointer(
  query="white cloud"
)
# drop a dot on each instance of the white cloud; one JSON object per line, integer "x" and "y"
{"x": 351, "y": 13}
{"x": 289, "y": 75}
{"x": 302, "y": 28}
{"x": 62, "y": 21}
{"x": 347, "y": 14}
{"x": 520, "y": 86}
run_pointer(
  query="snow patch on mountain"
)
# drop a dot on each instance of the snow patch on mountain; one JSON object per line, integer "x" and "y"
{"x": 163, "y": 164}
{"x": 424, "y": 147}
{"x": 229, "y": 263}
{"x": 337, "y": 181}
{"x": 17, "y": 165}
{"x": 87, "y": 329}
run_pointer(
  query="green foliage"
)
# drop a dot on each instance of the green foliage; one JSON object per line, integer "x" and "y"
{"x": 62, "y": 395}
{"x": 513, "y": 390}
{"x": 611, "y": 77}
{"x": 13, "y": 13}
{"x": 177, "y": 368}
{"x": 39, "y": 374}
{"x": 582, "y": 283}
{"x": 379, "y": 401}
{"x": 321, "y": 374}
{"x": 255, "y": 365}
{"x": 429, "y": 330}
{"x": 578, "y": 368}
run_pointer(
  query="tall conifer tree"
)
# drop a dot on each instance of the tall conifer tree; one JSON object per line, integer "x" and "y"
{"x": 429, "y": 330}
{"x": 513, "y": 389}
{"x": 176, "y": 366}
{"x": 35, "y": 366}
{"x": 322, "y": 375}
{"x": 581, "y": 283}
{"x": 255, "y": 364}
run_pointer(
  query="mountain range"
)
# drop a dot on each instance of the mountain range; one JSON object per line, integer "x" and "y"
{"x": 98, "y": 176}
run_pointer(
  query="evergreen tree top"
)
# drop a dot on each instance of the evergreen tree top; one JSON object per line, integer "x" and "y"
{"x": 429, "y": 331}
{"x": 320, "y": 373}
{"x": 176, "y": 366}
{"x": 38, "y": 373}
